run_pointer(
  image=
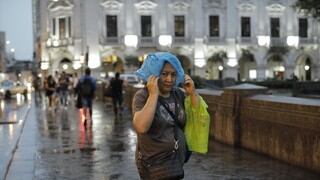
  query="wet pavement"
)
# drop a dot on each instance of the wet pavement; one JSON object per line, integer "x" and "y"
{"x": 55, "y": 145}
{"x": 12, "y": 115}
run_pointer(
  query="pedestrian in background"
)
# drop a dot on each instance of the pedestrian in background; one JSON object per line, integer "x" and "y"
{"x": 37, "y": 85}
{"x": 159, "y": 117}
{"x": 86, "y": 90}
{"x": 74, "y": 85}
{"x": 63, "y": 88}
{"x": 116, "y": 85}
{"x": 50, "y": 88}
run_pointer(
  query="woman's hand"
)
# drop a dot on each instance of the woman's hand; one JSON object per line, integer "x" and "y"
{"x": 191, "y": 90}
{"x": 189, "y": 85}
{"x": 152, "y": 85}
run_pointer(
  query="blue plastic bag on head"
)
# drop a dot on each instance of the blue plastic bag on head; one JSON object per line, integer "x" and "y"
{"x": 153, "y": 65}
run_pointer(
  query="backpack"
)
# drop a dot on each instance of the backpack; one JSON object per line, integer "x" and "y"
{"x": 86, "y": 89}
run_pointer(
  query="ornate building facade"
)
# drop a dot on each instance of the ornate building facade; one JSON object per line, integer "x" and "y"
{"x": 240, "y": 39}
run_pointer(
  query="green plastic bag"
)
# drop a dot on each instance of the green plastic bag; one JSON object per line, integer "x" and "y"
{"x": 197, "y": 126}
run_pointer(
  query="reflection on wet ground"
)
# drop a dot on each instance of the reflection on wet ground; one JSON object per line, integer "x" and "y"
{"x": 68, "y": 151}
{"x": 65, "y": 150}
{"x": 9, "y": 110}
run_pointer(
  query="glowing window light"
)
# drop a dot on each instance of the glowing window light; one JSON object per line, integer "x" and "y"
{"x": 165, "y": 40}
{"x": 293, "y": 41}
{"x": 263, "y": 40}
{"x": 232, "y": 62}
{"x": 131, "y": 40}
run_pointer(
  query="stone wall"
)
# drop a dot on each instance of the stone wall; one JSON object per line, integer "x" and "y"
{"x": 212, "y": 99}
{"x": 285, "y": 128}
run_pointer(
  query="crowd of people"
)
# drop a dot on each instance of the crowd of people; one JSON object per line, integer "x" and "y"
{"x": 59, "y": 89}
{"x": 62, "y": 89}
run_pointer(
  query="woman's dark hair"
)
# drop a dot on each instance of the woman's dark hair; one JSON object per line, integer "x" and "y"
{"x": 117, "y": 75}
{"x": 88, "y": 71}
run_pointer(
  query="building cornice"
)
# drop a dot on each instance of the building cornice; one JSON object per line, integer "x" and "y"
{"x": 246, "y": 6}
{"x": 179, "y": 6}
{"x": 276, "y": 8}
{"x": 61, "y": 5}
{"x": 112, "y": 6}
{"x": 214, "y": 4}
{"x": 145, "y": 6}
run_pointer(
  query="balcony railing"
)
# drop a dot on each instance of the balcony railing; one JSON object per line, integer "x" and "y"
{"x": 214, "y": 40}
{"x": 308, "y": 41}
{"x": 181, "y": 41}
{"x": 147, "y": 42}
{"x": 247, "y": 40}
{"x": 51, "y": 42}
{"x": 114, "y": 41}
{"x": 279, "y": 42}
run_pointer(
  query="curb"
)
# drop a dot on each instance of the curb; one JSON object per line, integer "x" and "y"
{"x": 15, "y": 146}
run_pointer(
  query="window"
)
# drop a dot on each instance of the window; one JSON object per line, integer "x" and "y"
{"x": 112, "y": 26}
{"x": 214, "y": 26}
{"x": 275, "y": 27}
{"x": 69, "y": 26}
{"x": 146, "y": 26}
{"x": 245, "y": 27}
{"x": 62, "y": 28}
{"x": 53, "y": 26}
{"x": 252, "y": 73}
{"x": 303, "y": 27}
{"x": 179, "y": 30}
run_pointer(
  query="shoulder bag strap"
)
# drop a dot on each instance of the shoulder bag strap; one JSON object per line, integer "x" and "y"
{"x": 174, "y": 117}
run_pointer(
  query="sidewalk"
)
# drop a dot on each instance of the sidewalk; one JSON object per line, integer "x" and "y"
{"x": 11, "y": 127}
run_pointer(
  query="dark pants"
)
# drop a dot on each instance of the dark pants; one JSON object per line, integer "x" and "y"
{"x": 117, "y": 101}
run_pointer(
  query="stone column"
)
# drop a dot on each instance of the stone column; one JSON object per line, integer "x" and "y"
{"x": 162, "y": 14}
{"x": 199, "y": 54}
{"x": 230, "y": 72}
{"x": 315, "y": 72}
{"x": 262, "y": 14}
{"x": 130, "y": 17}
{"x": 289, "y": 70}
{"x": 232, "y": 61}
{"x": 261, "y": 64}
{"x": 261, "y": 72}
{"x": 91, "y": 9}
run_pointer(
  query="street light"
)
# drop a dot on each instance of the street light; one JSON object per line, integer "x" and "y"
{"x": 65, "y": 66}
{"x": 44, "y": 65}
{"x": 220, "y": 68}
{"x": 306, "y": 67}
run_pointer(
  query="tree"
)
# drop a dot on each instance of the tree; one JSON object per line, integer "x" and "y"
{"x": 218, "y": 56}
{"x": 308, "y": 7}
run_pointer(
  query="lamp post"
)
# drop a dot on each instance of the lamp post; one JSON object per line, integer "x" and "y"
{"x": 220, "y": 68}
